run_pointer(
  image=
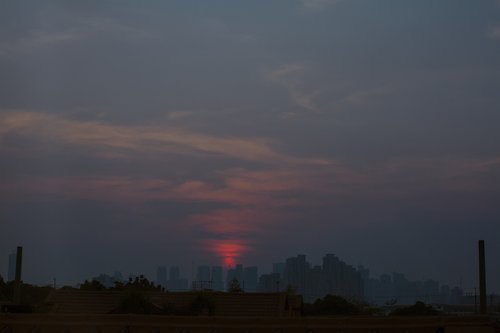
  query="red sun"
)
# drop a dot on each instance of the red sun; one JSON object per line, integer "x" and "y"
{"x": 229, "y": 262}
{"x": 228, "y": 250}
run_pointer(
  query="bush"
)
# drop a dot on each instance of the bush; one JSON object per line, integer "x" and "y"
{"x": 419, "y": 309}
{"x": 139, "y": 283}
{"x": 32, "y": 297}
{"x": 93, "y": 285}
{"x": 331, "y": 305}
{"x": 234, "y": 286}
{"x": 202, "y": 304}
{"x": 135, "y": 302}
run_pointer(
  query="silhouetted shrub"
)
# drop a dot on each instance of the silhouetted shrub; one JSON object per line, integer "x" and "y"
{"x": 139, "y": 283}
{"x": 16, "y": 308}
{"x": 35, "y": 296}
{"x": 331, "y": 305}
{"x": 202, "y": 304}
{"x": 32, "y": 297}
{"x": 234, "y": 286}
{"x": 93, "y": 285}
{"x": 68, "y": 288}
{"x": 419, "y": 309}
{"x": 291, "y": 290}
{"x": 136, "y": 302}
{"x": 170, "y": 309}
{"x": 3, "y": 289}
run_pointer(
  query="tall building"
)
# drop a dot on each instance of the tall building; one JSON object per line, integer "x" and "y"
{"x": 203, "y": 273}
{"x": 334, "y": 277}
{"x": 11, "y": 274}
{"x": 269, "y": 283}
{"x": 250, "y": 279}
{"x": 175, "y": 273}
{"x": 316, "y": 286}
{"x": 295, "y": 273}
{"x": 161, "y": 276}
{"x": 397, "y": 288}
{"x": 175, "y": 281}
{"x": 279, "y": 268}
{"x": 406, "y": 290}
{"x": 235, "y": 273}
{"x": 202, "y": 280}
{"x": 217, "y": 278}
{"x": 342, "y": 279}
{"x": 367, "y": 287}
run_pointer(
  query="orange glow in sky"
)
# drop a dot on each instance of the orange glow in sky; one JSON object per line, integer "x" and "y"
{"x": 228, "y": 250}
{"x": 229, "y": 262}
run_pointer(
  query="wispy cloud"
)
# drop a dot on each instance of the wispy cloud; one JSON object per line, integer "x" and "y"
{"x": 279, "y": 73}
{"x": 102, "y": 188}
{"x": 286, "y": 75}
{"x": 38, "y": 39}
{"x": 314, "y": 5}
{"x": 252, "y": 200}
{"x": 174, "y": 115}
{"x": 494, "y": 32}
{"x": 80, "y": 29}
{"x": 104, "y": 137}
{"x": 368, "y": 96}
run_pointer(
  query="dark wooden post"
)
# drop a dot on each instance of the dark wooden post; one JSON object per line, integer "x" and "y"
{"x": 482, "y": 279}
{"x": 17, "y": 283}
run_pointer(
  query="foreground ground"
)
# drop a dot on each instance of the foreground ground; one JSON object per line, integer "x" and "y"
{"x": 57, "y": 323}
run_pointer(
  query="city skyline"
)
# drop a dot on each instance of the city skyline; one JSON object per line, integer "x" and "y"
{"x": 298, "y": 275}
{"x": 379, "y": 289}
{"x": 224, "y": 132}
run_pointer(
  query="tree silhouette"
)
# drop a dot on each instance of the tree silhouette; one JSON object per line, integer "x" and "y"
{"x": 2, "y": 289}
{"x": 331, "y": 305}
{"x": 135, "y": 301}
{"x": 139, "y": 283}
{"x": 202, "y": 304}
{"x": 418, "y": 309}
{"x": 234, "y": 286}
{"x": 93, "y": 285}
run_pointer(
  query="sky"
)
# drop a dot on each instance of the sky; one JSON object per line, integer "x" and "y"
{"x": 142, "y": 133}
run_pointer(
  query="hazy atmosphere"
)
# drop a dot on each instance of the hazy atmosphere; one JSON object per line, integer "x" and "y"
{"x": 142, "y": 133}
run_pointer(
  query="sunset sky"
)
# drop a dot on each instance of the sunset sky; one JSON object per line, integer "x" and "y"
{"x": 142, "y": 133}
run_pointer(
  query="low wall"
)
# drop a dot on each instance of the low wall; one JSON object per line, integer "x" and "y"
{"x": 55, "y": 323}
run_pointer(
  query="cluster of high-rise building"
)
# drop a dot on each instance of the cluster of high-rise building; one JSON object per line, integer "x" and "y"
{"x": 312, "y": 282}
{"x": 247, "y": 277}
{"x": 296, "y": 274}
{"x": 209, "y": 277}
{"x": 170, "y": 279}
{"x": 396, "y": 288}
{"x": 173, "y": 280}
{"x": 332, "y": 277}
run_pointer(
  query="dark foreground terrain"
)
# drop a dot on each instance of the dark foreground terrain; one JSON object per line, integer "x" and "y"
{"x": 59, "y": 323}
